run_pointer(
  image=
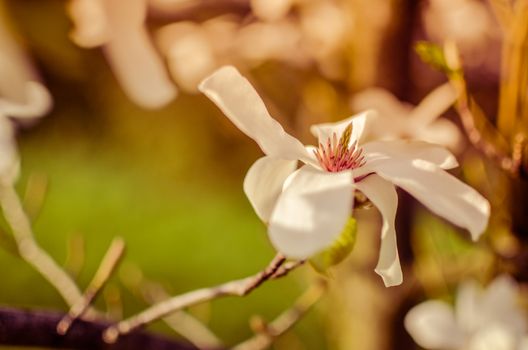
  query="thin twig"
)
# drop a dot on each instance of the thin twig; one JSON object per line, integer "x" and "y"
{"x": 287, "y": 268}
{"x": 29, "y": 249}
{"x": 466, "y": 107}
{"x": 36, "y": 188}
{"x": 107, "y": 267}
{"x": 182, "y": 322}
{"x": 239, "y": 287}
{"x": 286, "y": 320}
{"x": 75, "y": 254}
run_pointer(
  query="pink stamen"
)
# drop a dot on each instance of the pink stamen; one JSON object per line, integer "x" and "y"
{"x": 337, "y": 156}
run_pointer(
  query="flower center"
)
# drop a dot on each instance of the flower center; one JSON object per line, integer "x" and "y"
{"x": 336, "y": 155}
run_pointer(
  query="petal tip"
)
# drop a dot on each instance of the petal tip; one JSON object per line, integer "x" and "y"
{"x": 391, "y": 277}
{"x": 222, "y": 72}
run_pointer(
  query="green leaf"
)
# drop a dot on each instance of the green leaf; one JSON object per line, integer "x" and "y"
{"x": 339, "y": 249}
{"x": 433, "y": 55}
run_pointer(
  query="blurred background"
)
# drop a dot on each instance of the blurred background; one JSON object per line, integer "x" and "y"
{"x": 129, "y": 148}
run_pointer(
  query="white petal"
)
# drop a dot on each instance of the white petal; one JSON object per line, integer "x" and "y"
{"x": 468, "y": 306}
{"x": 264, "y": 181}
{"x": 499, "y": 304}
{"x": 523, "y": 343}
{"x": 382, "y": 101}
{"x": 433, "y": 105}
{"x": 150, "y": 86}
{"x": 311, "y": 211}
{"x": 239, "y": 101}
{"x": 380, "y": 151}
{"x": 439, "y": 191}
{"x": 432, "y": 326}
{"x": 91, "y": 23}
{"x": 189, "y": 53}
{"x": 383, "y": 195}
{"x": 493, "y": 337}
{"x": 326, "y": 130}
{"x": 37, "y": 102}
{"x": 442, "y": 132}
{"x": 392, "y": 114}
{"x": 133, "y": 58}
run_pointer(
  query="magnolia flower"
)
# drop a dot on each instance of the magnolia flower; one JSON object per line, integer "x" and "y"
{"x": 118, "y": 26}
{"x": 307, "y": 208}
{"x": 401, "y": 120}
{"x": 486, "y": 319}
{"x": 22, "y": 97}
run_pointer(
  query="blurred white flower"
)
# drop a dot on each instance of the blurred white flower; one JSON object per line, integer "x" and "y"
{"x": 261, "y": 41}
{"x": 324, "y": 27}
{"x": 307, "y": 208}
{"x": 400, "y": 120}
{"x": 194, "y": 50}
{"x": 487, "y": 319}
{"x": 470, "y": 24}
{"x": 271, "y": 10}
{"x": 22, "y": 97}
{"x": 118, "y": 26}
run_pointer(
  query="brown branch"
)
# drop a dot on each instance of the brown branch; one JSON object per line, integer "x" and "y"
{"x": 239, "y": 287}
{"x": 287, "y": 268}
{"x": 285, "y": 321}
{"x": 30, "y": 250}
{"x": 492, "y": 145}
{"x": 180, "y": 321}
{"x": 107, "y": 267}
{"x": 476, "y": 138}
{"x": 38, "y": 329}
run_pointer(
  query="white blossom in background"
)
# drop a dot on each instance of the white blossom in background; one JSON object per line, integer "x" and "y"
{"x": 488, "y": 319}
{"x": 402, "y": 120}
{"x": 22, "y": 98}
{"x": 118, "y": 26}
{"x": 271, "y": 10}
{"x": 261, "y": 41}
{"x": 318, "y": 32}
{"x": 307, "y": 208}
{"x": 194, "y": 50}
{"x": 470, "y": 24}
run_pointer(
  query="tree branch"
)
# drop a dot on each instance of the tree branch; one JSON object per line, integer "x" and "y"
{"x": 107, "y": 267}
{"x": 30, "y": 250}
{"x": 239, "y": 287}
{"x": 269, "y": 332}
{"x": 38, "y": 329}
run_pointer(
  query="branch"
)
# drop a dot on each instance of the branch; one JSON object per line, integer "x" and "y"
{"x": 286, "y": 320}
{"x": 37, "y": 329}
{"x": 239, "y": 287}
{"x": 180, "y": 321}
{"x": 29, "y": 249}
{"x": 491, "y": 144}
